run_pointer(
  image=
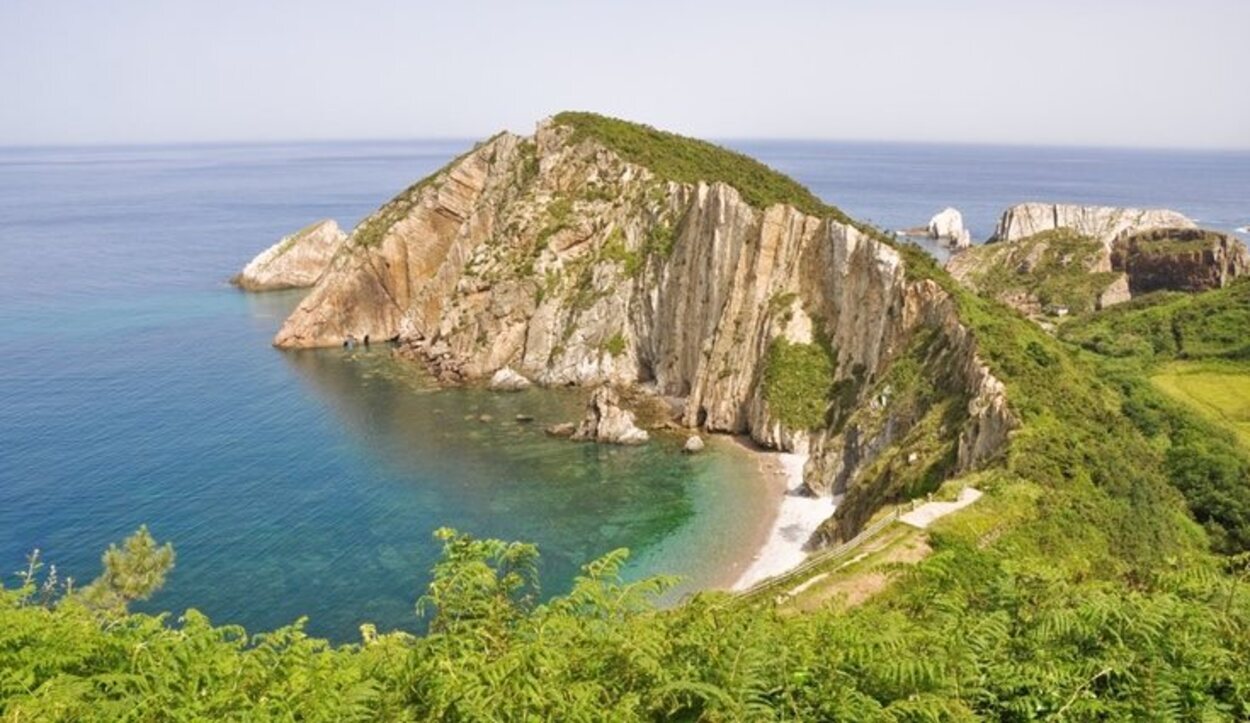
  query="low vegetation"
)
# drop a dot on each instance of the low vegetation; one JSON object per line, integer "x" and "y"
{"x": 688, "y": 160}
{"x": 1054, "y": 268}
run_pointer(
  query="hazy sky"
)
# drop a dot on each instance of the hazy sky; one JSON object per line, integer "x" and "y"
{"x": 1105, "y": 72}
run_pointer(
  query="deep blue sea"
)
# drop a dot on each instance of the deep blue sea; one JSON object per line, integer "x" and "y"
{"x": 136, "y": 386}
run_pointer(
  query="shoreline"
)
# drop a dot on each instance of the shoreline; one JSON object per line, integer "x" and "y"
{"x": 792, "y": 518}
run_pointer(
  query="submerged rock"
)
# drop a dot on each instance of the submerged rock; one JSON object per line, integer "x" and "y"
{"x": 564, "y": 429}
{"x": 693, "y": 445}
{"x": 296, "y": 261}
{"x": 508, "y": 380}
{"x": 606, "y": 421}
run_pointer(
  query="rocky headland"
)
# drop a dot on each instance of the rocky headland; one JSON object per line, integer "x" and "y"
{"x": 602, "y": 252}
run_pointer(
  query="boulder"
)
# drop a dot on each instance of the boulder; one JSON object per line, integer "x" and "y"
{"x": 297, "y": 261}
{"x": 606, "y": 421}
{"x": 693, "y": 445}
{"x": 508, "y": 380}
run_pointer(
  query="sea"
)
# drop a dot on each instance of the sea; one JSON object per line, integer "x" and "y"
{"x": 138, "y": 387}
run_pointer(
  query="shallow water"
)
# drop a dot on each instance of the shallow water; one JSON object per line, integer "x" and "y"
{"x": 137, "y": 387}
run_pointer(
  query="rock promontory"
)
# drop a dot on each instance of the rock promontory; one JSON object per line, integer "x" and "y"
{"x": 296, "y": 261}
{"x": 597, "y": 251}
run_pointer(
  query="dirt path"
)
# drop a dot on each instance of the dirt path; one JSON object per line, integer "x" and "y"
{"x": 925, "y": 514}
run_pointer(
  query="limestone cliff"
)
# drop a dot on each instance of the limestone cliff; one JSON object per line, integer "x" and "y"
{"x": 296, "y": 261}
{"x": 1102, "y": 223}
{"x": 597, "y": 251}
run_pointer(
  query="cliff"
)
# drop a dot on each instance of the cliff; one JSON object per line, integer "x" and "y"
{"x": 296, "y": 261}
{"x": 1102, "y": 223}
{"x": 1179, "y": 260}
{"x": 601, "y": 251}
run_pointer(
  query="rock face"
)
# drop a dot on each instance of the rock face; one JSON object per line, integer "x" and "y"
{"x": 606, "y": 421}
{"x": 1103, "y": 223}
{"x": 1179, "y": 260}
{"x": 508, "y": 380}
{"x": 296, "y": 261}
{"x": 948, "y": 227}
{"x": 556, "y": 256}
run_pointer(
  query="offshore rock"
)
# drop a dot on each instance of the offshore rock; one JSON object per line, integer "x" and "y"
{"x": 694, "y": 444}
{"x": 606, "y": 421}
{"x": 948, "y": 227}
{"x": 297, "y": 261}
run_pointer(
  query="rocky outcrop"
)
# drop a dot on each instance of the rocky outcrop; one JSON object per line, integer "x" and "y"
{"x": 605, "y": 421}
{"x": 1103, "y": 223}
{"x": 694, "y": 444}
{"x": 1179, "y": 260}
{"x": 296, "y": 261}
{"x": 948, "y": 227}
{"x": 1060, "y": 271}
{"x": 508, "y": 380}
{"x": 556, "y": 257}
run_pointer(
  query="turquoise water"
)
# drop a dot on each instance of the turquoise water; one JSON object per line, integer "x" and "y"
{"x": 137, "y": 387}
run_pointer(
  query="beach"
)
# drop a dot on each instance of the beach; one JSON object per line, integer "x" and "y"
{"x": 789, "y": 523}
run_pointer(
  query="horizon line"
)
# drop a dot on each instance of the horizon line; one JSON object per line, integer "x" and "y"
{"x": 721, "y": 140}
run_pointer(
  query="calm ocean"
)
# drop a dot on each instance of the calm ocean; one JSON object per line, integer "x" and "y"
{"x": 136, "y": 386}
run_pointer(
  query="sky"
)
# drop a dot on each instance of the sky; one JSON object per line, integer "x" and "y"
{"x": 1144, "y": 73}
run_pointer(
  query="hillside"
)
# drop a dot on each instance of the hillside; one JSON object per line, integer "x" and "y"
{"x": 1084, "y": 585}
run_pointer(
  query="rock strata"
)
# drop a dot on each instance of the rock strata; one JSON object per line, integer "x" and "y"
{"x": 1103, "y": 223}
{"x": 607, "y": 422}
{"x": 296, "y": 261}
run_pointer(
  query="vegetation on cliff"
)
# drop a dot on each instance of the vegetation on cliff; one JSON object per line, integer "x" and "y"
{"x": 687, "y": 160}
{"x": 797, "y": 382}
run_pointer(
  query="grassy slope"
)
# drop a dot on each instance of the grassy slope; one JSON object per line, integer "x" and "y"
{"x": 1194, "y": 348}
{"x": 1218, "y": 392}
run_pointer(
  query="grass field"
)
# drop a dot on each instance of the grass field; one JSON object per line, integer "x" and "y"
{"x": 1218, "y": 391}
